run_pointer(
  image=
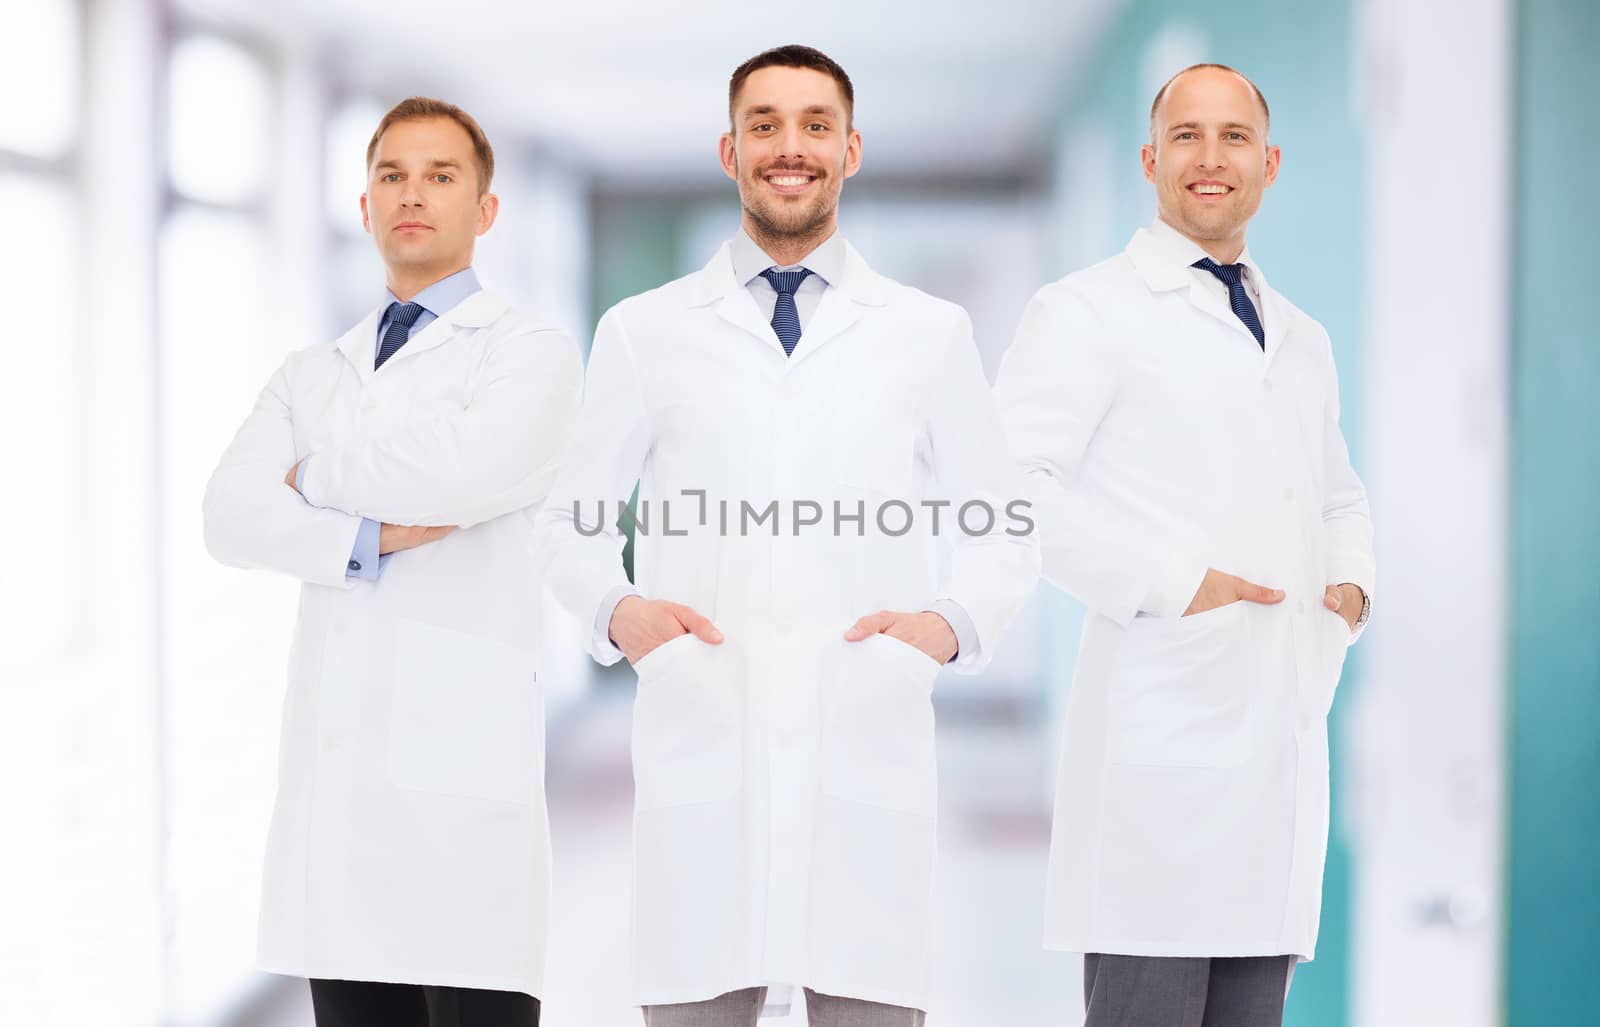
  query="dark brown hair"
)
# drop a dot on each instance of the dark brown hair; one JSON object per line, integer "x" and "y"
{"x": 416, "y": 108}
{"x": 1156, "y": 104}
{"x": 793, "y": 56}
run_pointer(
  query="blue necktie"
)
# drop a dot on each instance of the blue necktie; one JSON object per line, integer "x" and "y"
{"x": 1232, "y": 276}
{"x": 785, "y": 318}
{"x": 401, "y": 317}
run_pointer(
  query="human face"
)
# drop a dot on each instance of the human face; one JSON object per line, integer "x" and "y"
{"x": 790, "y": 150}
{"x": 1209, "y": 158}
{"x": 423, "y": 205}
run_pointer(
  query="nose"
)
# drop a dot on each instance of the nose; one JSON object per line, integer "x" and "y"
{"x": 411, "y": 196}
{"x": 1213, "y": 155}
{"x": 791, "y": 144}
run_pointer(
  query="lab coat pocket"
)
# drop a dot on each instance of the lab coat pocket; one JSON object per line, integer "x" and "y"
{"x": 1181, "y": 695}
{"x": 1334, "y": 639}
{"x": 877, "y": 734}
{"x": 464, "y": 716}
{"x": 686, "y": 725}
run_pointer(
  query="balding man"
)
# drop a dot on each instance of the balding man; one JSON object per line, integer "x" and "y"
{"x": 1177, "y": 423}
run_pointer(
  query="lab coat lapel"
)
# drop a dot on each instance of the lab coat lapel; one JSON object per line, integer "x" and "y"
{"x": 1278, "y": 320}
{"x": 360, "y": 344}
{"x": 1216, "y": 305}
{"x": 476, "y": 311}
{"x": 716, "y": 286}
{"x": 841, "y": 306}
{"x": 1162, "y": 275}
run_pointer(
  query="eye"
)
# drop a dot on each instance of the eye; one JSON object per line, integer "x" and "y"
{"x": 763, "y": 125}
{"x": 1184, "y": 135}
{"x": 391, "y": 177}
{"x": 1236, "y": 135}
{"x": 817, "y": 126}
{"x": 441, "y": 177}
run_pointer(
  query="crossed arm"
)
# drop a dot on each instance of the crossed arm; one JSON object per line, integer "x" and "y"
{"x": 445, "y": 468}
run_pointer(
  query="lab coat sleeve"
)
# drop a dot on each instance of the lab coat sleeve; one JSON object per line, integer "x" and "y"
{"x": 1055, "y": 386}
{"x": 578, "y": 535}
{"x": 994, "y": 570}
{"x": 1346, "y": 517}
{"x": 252, "y": 518}
{"x": 463, "y": 466}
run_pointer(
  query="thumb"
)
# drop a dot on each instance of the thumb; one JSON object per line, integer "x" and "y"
{"x": 701, "y": 627}
{"x": 871, "y": 624}
{"x": 1254, "y": 593}
{"x": 1330, "y": 599}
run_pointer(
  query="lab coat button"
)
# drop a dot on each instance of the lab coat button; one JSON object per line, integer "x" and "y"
{"x": 328, "y": 744}
{"x": 368, "y": 407}
{"x": 1266, "y": 386}
{"x": 355, "y": 565}
{"x": 1302, "y": 607}
{"x": 1288, "y": 494}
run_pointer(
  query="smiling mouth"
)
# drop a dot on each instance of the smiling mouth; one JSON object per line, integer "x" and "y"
{"x": 789, "y": 181}
{"x": 1210, "y": 189}
{"x": 413, "y": 228}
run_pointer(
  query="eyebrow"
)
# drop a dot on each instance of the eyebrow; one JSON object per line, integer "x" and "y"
{"x": 1225, "y": 125}
{"x": 437, "y": 162}
{"x": 767, "y": 108}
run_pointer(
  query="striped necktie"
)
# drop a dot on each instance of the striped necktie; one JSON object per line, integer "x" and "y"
{"x": 785, "y": 318}
{"x": 1232, "y": 276}
{"x": 401, "y": 317}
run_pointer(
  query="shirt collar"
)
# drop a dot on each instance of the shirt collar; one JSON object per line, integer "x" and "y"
{"x": 1172, "y": 245}
{"x": 443, "y": 295}
{"x": 826, "y": 261}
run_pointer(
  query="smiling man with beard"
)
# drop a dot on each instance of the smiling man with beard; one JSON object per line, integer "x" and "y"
{"x": 1177, "y": 423}
{"x": 784, "y": 410}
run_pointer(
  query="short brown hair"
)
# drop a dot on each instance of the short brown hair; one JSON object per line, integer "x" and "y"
{"x": 793, "y": 56}
{"x": 1155, "y": 105}
{"x": 416, "y": 108}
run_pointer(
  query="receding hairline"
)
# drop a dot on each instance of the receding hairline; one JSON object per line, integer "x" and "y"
{"x": 1161, "y": 94}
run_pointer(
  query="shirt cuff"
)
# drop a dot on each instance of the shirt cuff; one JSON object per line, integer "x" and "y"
{"x": 966, "y": 632}
{"x": 364, "y": 562}
{"x": 602, "y": 619}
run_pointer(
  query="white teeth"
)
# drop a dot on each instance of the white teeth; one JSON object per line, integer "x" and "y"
{"x": 788, "y": 180}
{"x": 1209, "y": 190}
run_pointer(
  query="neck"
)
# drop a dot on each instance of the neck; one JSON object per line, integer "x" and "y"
{"x": 789, "y": 249}
{"x": 406, "y": 282}
{"x": 1223, "y": 251}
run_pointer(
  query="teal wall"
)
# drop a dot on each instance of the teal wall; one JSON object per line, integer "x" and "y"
{"x": 1308, "y": 239}
{"x": 1553, "y": 885}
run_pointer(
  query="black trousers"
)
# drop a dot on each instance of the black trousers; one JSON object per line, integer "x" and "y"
{"x": 376, "y": 1004}
{"x": 1156, "y": 991}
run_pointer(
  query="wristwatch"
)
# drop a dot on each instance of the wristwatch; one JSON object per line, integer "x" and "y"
{"x": 1366, "y": 608}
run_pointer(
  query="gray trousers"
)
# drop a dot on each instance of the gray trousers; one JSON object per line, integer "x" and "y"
{"x": 1160, "y": 991}
{"x": 743, "y": 1008}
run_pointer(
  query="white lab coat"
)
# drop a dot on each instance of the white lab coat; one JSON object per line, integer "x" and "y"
{"x": 785, "y": 783}
{"x": 409, "y": 842}
{"x": 1157, "y": 439}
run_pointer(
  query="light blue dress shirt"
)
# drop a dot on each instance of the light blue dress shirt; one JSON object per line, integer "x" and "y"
{"x": 443, "y": 295}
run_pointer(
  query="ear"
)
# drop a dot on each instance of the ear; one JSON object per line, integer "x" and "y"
{"x": 1147, "y": 157}
{"x": 852, "y": 154}
{"x": 1273, "y": 157}
{"x": 488, "y": 210}
{"x": 366, "y": 219}
{"x": 728, "y": 153}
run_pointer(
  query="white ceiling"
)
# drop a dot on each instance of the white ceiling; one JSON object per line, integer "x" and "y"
{"x": 637, "y": 91}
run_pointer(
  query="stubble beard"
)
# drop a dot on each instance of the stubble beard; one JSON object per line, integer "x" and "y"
{"x": 776, "y": 224}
